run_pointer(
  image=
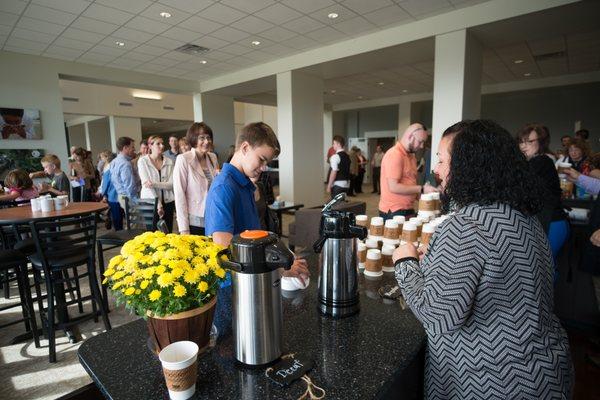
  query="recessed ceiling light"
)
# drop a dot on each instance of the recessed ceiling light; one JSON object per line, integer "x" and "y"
{"x": 255, "y": 43}
{"x": 380, "y": 83}
{"x": 404, "y": 90}
{"x": 332, "y": 91}
{"x": 147, "y": 95}
{"x": 360, "y": 97}
{"x": 203, "y": 61}
{"x": 120, "y": 44}
{"x": 165, "y": 14}
{"x": 527, "y": 74}
{"x": 332, "y": 15}
{"x": 518, "y": 61}
{"x": 154, "y": 122}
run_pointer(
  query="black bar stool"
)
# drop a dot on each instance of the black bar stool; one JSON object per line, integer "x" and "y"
{"x": 139, "y": 218}
{"x": 61, "y": 245}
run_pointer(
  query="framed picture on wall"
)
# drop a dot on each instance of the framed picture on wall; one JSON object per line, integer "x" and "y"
{"x": 29, "y": 160}
{"x": 20, "y": 123}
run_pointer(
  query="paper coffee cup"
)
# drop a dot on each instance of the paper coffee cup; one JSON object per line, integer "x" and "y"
{"x": 373, "y": 263}
{"x": 418, "y": 223}
{"x": 362, "y": 220}
{"x": 428, "y": 230}
{"x": 391, "y": 231}
{"x": 387, "y": 265}
{"x": 372, "y": 243}
{"x": 180, "y": 367}
{"x": 361, "y": 250}
{"x": 400, "y": 219}
{"x": 376, "y": 228}
{"x": 409, "y": 232}
{"x": 36, "y": 205}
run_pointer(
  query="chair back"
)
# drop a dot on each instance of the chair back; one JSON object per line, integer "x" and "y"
{"x": 141, "y": 214}
{"x": 63, "y": 239}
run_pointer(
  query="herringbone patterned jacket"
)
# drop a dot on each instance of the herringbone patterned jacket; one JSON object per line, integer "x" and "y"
{"x": 485, "y": 297}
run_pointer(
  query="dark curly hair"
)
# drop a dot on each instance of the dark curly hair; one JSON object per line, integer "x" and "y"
{"x": 486, "y": 167}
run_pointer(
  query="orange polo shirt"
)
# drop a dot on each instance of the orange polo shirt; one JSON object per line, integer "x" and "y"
{"x": 397, "y": 164}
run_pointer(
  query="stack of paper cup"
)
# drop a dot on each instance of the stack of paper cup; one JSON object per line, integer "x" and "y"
{"x": 400, "y": 220}
{"x": 387, "y": 265}
{"x": 180, "y": 367}
{"x": 373, "y": 263}
{"x": 436, "y": 201}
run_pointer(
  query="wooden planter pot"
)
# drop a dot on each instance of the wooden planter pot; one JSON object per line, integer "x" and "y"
{"x": 193, "y": 325}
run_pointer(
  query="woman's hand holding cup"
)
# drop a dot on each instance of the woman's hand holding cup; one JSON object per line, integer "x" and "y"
{"x": 572, "y": 174}
{"x": 405, "y": 250}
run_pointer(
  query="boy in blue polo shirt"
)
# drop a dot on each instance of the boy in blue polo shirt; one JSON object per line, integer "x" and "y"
{"x": 230, "y": 205}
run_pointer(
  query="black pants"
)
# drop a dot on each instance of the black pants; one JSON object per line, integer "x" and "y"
{"x": 359, "y": 180}
{"x": 352, "y": 189}
{"x": 335, "y": 190}
{"x": 392, "y": 214}
{"x": 169, "y": 209}
{"x": 81, "y": 194}
{"x": 376, "y": 176}
{"x": 196, "y": 230}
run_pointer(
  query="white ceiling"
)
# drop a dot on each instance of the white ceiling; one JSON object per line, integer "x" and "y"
{"x": 86, "y": 31}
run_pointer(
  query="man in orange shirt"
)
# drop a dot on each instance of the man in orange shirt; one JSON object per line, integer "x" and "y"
{"x": 399, "y": 187}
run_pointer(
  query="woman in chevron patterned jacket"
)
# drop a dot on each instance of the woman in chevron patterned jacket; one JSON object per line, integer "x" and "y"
{"x": 483, "y": 291}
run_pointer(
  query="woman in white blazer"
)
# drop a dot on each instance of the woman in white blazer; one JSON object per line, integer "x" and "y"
{"x": 193, "y": 174}
{"x": 156, "y": 174}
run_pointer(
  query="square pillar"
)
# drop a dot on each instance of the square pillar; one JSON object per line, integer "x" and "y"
{"x": 300, "y": 125}
{"x": 217, "y": 112}
{"x": 124, "y": 126}
{"x": 327, "y": 139}
{"x": 456, "y": 84}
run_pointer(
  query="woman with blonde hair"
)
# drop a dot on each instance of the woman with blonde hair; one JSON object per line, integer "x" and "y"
{"x": 193, "y": 174}
{"x": 156, "y": 175}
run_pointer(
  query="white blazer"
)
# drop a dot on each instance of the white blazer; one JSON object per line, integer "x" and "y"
{"x": 161, "y": 182}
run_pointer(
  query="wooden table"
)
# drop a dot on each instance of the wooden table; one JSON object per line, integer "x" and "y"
{"x": 23, "y": 215}
{"x": 280, "y": 209}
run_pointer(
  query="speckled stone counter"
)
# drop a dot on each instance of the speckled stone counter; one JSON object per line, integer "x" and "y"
{"x": 359, "y": 357}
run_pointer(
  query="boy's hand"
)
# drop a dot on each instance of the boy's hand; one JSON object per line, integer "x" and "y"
{"x": 328, "y": 189}
{"x": 299, "y": 270}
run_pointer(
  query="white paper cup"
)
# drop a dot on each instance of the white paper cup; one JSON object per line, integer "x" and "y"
{"x": 372, "y": 243}
{"x": 36, "y": 205}
{"x": 179, "y": 363}
{"x": 362, "y": 220}
{"x": 47, "y": 204}
{"x": 59, "y": 204}
{"x": 400, "y": 219}
{"x": 435, "y": 195}
{"x": 426, "y": 197}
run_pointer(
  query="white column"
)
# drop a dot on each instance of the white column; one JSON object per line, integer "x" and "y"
{"x": 217, "y": 112}
{"x": 327, "y": 139}
{"x": 88, "y": 145}
{"x": 456, "y": 84}
{"x": 300, "y": 122}
{"x": 124, "y": 126}
{"x": 404, "y": 115}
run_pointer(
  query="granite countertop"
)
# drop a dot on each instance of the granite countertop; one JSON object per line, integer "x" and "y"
{"x": 354, "y": 358}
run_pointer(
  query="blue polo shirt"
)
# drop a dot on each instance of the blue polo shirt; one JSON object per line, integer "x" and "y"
{"x": 230, "y": 205}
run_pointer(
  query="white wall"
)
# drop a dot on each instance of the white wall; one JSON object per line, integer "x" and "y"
{"x": 33, "y": 85}
{"x": 97, "y": 99}
{"x": 244, "y": 113}
{"x": 77, "y": 136}
{"x": 99, "y": 136}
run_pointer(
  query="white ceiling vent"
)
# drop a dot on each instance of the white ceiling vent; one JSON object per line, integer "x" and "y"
{"x": 550, "y": 56}
{"x": 73, "y": 99}
{"x": 168, "y": 108}
{"x": 124, "y": 104}
{"x": 192, "y": 49}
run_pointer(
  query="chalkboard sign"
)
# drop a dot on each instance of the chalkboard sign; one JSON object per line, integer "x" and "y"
{"x": 290, "y": 368}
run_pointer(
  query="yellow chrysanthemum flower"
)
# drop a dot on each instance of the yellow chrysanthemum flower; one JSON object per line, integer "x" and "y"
{"x": 114, "y": 261}
{"x": 154, "y": 295}
{"x": 176, "y": 272}
{"x": 220, "y": 272}
{"x": 144, "y": 284}
{"x": 118, "y": 275}
{"x": 179, "y": 291}
{"x": 191, "y": 276}
{"x": 129, "y": 291}
{"x": 117, "y": 285}
{"x": 160, "y": 269}
{"x": 147, "y": 273}
{"x": 203, "y": 286}
{"x": 165, "y": 279}
{"x": 109, "y": 272}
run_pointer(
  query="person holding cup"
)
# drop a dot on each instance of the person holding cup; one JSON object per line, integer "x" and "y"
{"x": 156, "y": 175}
{"x": 483, "y": 291}
{"x": 534, "y": 142}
